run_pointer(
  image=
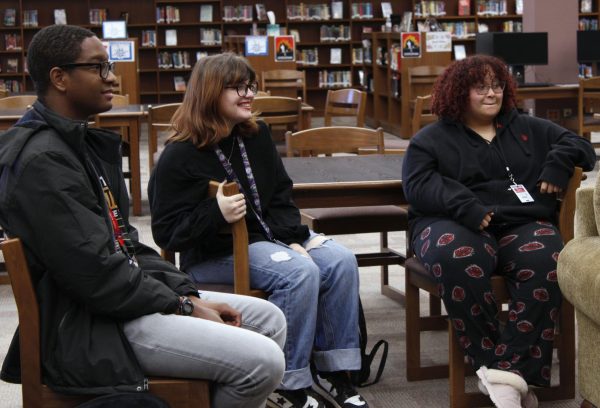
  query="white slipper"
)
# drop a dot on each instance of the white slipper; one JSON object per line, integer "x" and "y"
{"x": 505, "y": 388}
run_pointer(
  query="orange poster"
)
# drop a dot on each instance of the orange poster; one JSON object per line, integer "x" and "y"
{"x": 411, "y": 45}
{"x": 284, "y": 48}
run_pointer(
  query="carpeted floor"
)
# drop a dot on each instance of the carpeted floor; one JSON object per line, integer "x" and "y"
{"x": 385, "y": 320}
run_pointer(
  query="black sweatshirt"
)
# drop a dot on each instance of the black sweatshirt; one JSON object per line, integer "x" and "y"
{"x": 451, "y": 172}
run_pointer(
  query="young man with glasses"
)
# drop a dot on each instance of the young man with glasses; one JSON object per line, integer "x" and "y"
{"x": 113, "y": 312}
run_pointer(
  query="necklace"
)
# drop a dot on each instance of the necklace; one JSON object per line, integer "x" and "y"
{"x": 231, "y": 152}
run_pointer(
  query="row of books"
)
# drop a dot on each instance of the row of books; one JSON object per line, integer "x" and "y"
{"x": 237, "y": 13}
{"x": 10, "y": 65}
{"x": 427, "y": 8}
{"x": 335, "y": 33}
{"x": 361, "y": 10}
{"x": 335, "y": 79}
{"x": 98, "y": 15}
{"x": 167, "y": 14}
{"x": 30, "y": 18}
{"x": 148, "y": 38}
{"x": 586, "y": 24}
{"x": 174, "y": 60}
{"x": 308, "y": 56}
{"x": 12, "y": 41}
{"x": 210, "y": 36}
{"x": 308, "y": 12}
{"x": 11, "y": 85}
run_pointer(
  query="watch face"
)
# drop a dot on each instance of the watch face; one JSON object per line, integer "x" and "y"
{"x": 187, "y": 307}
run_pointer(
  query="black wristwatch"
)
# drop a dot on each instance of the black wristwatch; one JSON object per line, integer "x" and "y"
{"x": 186, "y": 307}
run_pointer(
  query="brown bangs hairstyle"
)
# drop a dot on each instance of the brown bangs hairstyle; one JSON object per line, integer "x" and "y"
{"x": 450, "y": 94}
{"x": 198, "y": 118}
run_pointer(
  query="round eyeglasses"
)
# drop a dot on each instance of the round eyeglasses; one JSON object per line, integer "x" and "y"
{"x": 242, "y": 89}
{"x": 497, "y": 87}
{"x": 103, "y": 67}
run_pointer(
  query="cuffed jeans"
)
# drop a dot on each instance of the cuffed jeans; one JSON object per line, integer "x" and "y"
{"x": 318, "y": 296}
{"x": 245, "y": 366}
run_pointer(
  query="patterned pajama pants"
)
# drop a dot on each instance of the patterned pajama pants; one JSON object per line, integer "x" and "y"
{"x": 463, "y": 261}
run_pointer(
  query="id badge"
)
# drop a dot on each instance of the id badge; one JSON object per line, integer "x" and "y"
{"x": 521, "y": 193}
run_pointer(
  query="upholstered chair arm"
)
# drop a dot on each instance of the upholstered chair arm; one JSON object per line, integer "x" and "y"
{"x": 585, "y": 221}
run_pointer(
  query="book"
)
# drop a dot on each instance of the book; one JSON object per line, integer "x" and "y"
{"x": 12, "y": 65}
{"x": 337, "y": 9}
{"x": 459, "y": 52}
{"x": 171, "y": 37}
{"x": 519, "y": 7}
{"x": 261, "y": 12}
{"x": 296, "y": 34}
{"x": 60, "y": 16}
{"x": 335, "y": 56}
{"x": 206, "y": 12}
{"x": 10, "y": 17}
{"x": 148, "y": 38}
{"x": 12, "y": 41}
{"x": 30, "y": 18}
{"x": 179, "y": 83}
{"x": 586, "y": 6}
{"x": 386, "y": 9}
{"x": 464, "y": 7}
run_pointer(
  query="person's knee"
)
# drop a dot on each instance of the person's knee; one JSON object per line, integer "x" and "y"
{"x": 269, "y": 367}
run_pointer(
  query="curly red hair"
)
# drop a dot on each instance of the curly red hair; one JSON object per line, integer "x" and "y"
{"x": 450, "y": 94}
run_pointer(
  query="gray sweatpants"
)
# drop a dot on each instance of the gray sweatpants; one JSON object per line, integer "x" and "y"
{"x": 245, "y": 366}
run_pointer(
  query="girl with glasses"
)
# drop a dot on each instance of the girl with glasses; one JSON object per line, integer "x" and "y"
{"x": 482, "y": 183}
{"x": 311, "y": 278}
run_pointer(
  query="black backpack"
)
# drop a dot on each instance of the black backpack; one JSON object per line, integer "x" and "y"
{"x": 360, "y": 377}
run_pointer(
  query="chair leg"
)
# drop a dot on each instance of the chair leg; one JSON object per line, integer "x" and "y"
{"x": 413, "y": 333}
{"x": 387, "y": 289}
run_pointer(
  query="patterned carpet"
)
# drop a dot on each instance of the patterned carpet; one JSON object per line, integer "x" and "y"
{"x": 385, "y": 320}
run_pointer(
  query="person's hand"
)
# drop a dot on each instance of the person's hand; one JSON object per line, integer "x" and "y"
{"x": 486, "y": 221}
{"x": 549, "y": 188}
{"x": 232, "y": 207}
{"x": 217, "y": 312}
{"x": 300, "y": 249}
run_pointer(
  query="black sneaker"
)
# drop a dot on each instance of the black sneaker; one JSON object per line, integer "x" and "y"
{"x": 293, "y": 399}
{"x": 338, "y": 390}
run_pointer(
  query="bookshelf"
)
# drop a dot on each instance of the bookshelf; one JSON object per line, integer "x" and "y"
{"x": 340, "y": 57}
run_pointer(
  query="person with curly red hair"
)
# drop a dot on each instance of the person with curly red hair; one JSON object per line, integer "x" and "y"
{"x": 482, "y": 184}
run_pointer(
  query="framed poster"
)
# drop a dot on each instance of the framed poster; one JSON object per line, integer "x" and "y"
{"x": 256, "y": 45}
{"x": 411, "y": 45}
{"x": 114, "y": 29}
{"x": 121, "y": 51}
{"x": 285, "y": 49}
{"x": 438, "y": 41}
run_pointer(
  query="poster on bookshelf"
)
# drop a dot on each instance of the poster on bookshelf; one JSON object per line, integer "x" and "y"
{"x": 438, "y": 41}
{"x": 285, "y": 48}
{"x": 256, "y": 45}
{"x": 114, "y": 29}
{"x": 411, "y": 45}
{"x": 121, "y": 51}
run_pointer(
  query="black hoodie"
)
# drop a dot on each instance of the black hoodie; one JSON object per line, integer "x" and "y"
{"x": 451, "y": 172}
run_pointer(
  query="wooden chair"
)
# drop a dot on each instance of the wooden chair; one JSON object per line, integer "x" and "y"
{"x": 346, "y": 102}
{"x": 4, "y": 92}
{"x": 17, "y": 101}
{"x": 241, "y": 271}
{"x": 352, "y": 220}
{"x": 418, "y": 81}
{"x": 422, "y": 113}
{"x": 263, "y": 93}
{"x": 417, "y": 277}
{"x": 181, "y": 393}
{"x": 159, "y": 118}
{"x": 281, "y": 114}
{"x": 588, "y": 103}
{"x": 284, "y": 82}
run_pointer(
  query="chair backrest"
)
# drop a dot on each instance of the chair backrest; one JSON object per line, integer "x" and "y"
{"x": 332, "y": 139}
{"x": 346, "y": 102}
{"x": 422, "y": 113}
{"x": 263, "y": 93}
{"x": 588, "y": 101}
{"x": 421, "y": 79}
{"x": 284, "y": 82}
{"x": 17, "y": 101}
{"x": 159, "y": 119}
{"x": 120, "y": 100}
{"x": 566, "y": 213}
{"x": 118, "y": 85}
{"x": 241, "y": 270}
{"x": 279, "y": 111}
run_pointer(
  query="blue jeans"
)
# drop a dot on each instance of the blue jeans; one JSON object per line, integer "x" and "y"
{"x": 318, "y": 296}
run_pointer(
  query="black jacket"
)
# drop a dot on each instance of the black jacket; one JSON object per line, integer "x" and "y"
{"x": 51, "y": 199}
{"x": 451, "y": 172}
{"x": 185, "y": 219}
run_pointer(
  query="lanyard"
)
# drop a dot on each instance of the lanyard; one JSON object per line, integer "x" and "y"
{"x": 500, "y": 151}
{"x": 256, "y": 208}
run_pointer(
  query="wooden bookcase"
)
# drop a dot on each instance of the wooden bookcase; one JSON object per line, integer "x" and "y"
{"x": 157, "y": 84}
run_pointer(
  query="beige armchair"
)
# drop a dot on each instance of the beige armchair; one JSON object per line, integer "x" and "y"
{"x": 579, "y": 280}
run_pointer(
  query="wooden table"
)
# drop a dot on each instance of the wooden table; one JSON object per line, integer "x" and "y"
{"x": 346, "y": 181}
{"x": 128, "y": 116}
{"x": 558, "y": 91}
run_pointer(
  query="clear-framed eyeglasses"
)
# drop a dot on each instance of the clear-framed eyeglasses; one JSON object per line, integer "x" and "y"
{"x": 242, "y": 89}
{"x": 104, "y": 67}
{"x": 496, "y": 86}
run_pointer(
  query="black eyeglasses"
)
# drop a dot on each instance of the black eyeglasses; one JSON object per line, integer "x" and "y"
{"x": 242, "y": 89}
{"x": 497, "y": 87}
{"x": 103, "y": 67}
